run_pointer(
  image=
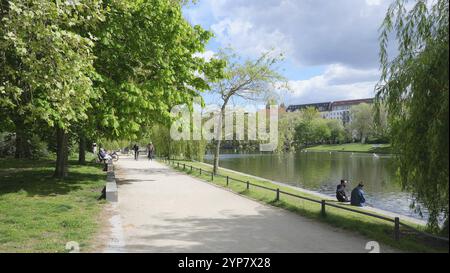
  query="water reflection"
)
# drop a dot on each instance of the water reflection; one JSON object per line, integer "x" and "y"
{"x": 321, "y": 171}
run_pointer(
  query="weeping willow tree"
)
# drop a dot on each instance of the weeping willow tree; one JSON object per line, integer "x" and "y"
{"x": 159, "y": 135}
{"x": 415, "y": 87}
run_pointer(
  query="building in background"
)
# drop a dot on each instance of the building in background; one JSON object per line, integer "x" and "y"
{"x": 332, "y": 110}
{"x": 321, "y": 107}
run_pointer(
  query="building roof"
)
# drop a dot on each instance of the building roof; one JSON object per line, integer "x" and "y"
{"x": 314, "y": 105}
{"x": 326, "y": 106}
{"x": 352, "y": 102}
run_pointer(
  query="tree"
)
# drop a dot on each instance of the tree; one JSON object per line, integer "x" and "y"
{"x": 337, "y": 131}
{"x": 321, "y": 131}
{"x": 248, "y": 80}
{"x": 304, "y": 133}
{"x": 286, "y": 130}
{"x": 415, "y": 87}
{"x": 46, "y": 65}
{"x": 309, "y": 114}
{"x": 381, "y": 128}
{"x": 362, "y": 121}
{"x": 311, "y": 128}
{"x": 147, "y": 64}
{"x": 97, "y": 68}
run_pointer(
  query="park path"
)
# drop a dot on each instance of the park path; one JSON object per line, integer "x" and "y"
{"x": 162, "y": 210}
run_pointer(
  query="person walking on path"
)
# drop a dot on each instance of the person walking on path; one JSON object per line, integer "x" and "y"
{"x": 136, "y": 151}
{"x": 151, "y": 151}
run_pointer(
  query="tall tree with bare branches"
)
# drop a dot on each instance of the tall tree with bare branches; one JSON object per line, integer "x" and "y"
{"x": 247, "y": 80}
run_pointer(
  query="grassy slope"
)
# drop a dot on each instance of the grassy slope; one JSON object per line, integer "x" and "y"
{"x": 353, "y": 147}
{"x": 41, "y": 214}
{"x": 373, "y": 228}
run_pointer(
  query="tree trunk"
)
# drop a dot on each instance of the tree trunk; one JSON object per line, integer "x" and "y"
{"x": 61, "y": 154}
{"x": 23, "y": 149}
{"x": 82, "y": 150}
{"x": 218, "y": 140}
{"x": 216, "y": 156}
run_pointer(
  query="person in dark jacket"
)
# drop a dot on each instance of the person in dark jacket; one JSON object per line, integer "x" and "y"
{"x": 357, "y": 197}
{"x": 136, "y": 151}
{"x": 150, "y": 150}
{"x": 341, "y": 195}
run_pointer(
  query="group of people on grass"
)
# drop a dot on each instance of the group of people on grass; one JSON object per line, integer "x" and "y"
{"x": 356, "y": 196}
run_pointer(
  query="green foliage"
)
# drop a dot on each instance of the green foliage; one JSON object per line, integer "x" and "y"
{"x": 415, "y": 87}
{"x": 337, "y": 131}
{"x": 146, "y": 63}
{"x": 97, "y": 68}
{"x": 286, "y": 131}
{"x": 362, "y": 121}
{"x": 311, "y": 128}
{"x": 46, "y": 64}
{"x": 247, "y": 80}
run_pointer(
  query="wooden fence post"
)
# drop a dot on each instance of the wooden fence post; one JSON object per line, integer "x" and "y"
{"x": 278, "y": 195}
{"x": 200, "y": 171}
{"x": 212, "y": 176}
{"x": 323, "y": 212}
{"x": 184, "y": 166}
{"x": 397, "y": 229}
{"x": 248, "y": 185}
{"x": 227, "y": 180}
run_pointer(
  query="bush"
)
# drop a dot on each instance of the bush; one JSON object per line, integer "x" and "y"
{"x": 7, "y": 144}
{"x": 38, "y": 148}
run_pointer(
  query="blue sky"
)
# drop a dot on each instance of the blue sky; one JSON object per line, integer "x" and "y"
{"x": 330, "y": 46}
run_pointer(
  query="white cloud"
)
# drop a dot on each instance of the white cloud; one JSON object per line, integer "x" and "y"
{"x": 249, "y": 39}
{"x": 373, "y": 2}
{"x": 319, "y": 32}
{"x": 207, "y": 55}
{"x": 336, "y": 83}
{"x": 341, "y": 36}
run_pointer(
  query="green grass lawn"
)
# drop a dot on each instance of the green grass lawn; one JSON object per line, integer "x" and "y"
{"x": 373, "y": 228}
{"x": 41, "y": 214}
{"x": 353, "y": 147}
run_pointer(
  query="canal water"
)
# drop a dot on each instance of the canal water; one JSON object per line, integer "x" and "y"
{"x": 322, "y": 171}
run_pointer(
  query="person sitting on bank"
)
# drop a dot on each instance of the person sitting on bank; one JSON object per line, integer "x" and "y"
{"x": 357, "y": 198}
{"x": 104, "y": 155}
{"x": 341, "y": 195}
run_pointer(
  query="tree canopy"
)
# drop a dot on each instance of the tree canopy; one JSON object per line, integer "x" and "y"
{"x": 415, "y": 87}
{"x": 147, "y": 64}
{"x": 250, "y": 79}
{"x": 100, "y": 68}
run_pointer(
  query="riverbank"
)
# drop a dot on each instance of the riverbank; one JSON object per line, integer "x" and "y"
{"x": 321, "y": 196}
{"x": 377, "y": 229}
{"x": 39, "y": 213}
{"x": 353, "y": 147}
